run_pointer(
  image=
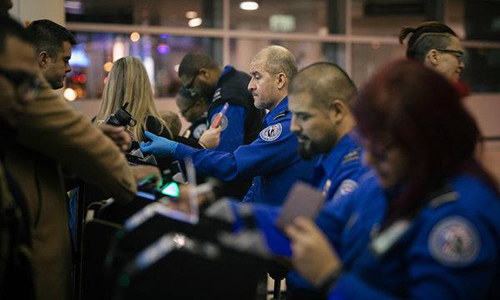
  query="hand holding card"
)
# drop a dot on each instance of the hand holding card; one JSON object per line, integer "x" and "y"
{"x": 302, "y": 200}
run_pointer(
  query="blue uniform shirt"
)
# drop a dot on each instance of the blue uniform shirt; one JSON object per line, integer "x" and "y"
{"x": 233, "y": 121}
{"x": 336, "y": 173}
{"x": 449, "y": 251}
{"x": 272, "y": 160}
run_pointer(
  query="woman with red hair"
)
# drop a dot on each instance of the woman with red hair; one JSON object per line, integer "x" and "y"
{"x": 426, "y": 223}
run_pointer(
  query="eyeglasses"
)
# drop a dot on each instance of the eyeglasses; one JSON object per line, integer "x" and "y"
{"x": 457, "y": 53}
{"x": 189, "y": 86}
{"x": 27, "y": 85}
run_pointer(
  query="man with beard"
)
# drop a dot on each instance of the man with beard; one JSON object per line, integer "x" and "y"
{"x": 272, "y": 160}
{"x": 202, "y": 77}
{"x": 320, "y": 98}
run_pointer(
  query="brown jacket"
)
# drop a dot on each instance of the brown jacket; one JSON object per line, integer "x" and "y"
{"x": 50, "y": 136}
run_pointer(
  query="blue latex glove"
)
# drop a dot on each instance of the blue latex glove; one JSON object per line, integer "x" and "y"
{"x": 158, "y": 146}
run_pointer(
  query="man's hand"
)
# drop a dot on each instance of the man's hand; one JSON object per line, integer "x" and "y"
{"x": 158, "y": 146}
{"x": 313, "y": 256}
{"x": 150, "y": 175}
{"x": 118, "y": 134}
{"x": 211, "y": 137}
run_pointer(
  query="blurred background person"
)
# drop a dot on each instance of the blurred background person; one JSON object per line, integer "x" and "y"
{"x": 18, "y": 86}
{"x": 5, "y": 6}
{"x": 437, "y": 46}
{"x": 200, "y": 75}
{"x": 50, "y": 136}
{"x": 194, "y": 109}
{"x": 418, "y": 226}
{"x": 172, "y": 120}
{"x": 53, "y": 47}
{"x": 128, "y": 82}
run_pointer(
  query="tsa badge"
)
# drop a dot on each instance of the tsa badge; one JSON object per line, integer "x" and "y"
{"x": 454, "y": 242}
{"x": 223, "y": 121}
{"x": 346, "y": 187}
{"x": 271, "y": 132}
{"x": 199, "y": 130}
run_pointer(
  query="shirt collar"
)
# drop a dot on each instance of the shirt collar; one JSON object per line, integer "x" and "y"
{"x": 280, "y": 108}
{"x": 226, "y": 70}
{"x": 336, "y": 155}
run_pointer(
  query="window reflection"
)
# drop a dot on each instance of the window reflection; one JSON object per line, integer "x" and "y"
{"x": 95, "y": 52}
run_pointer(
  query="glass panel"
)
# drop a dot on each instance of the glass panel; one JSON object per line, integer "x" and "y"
{"x": 94, "y": 53}
{"x": 368, "y": 58}
{"x": 474, "y": 20}
{"x": 320, "y": 16}
{"x": 482, "y": 70}
{"x": 147, "y": 12}
{"x": 382, "y": 17}
{"x": 243, "y": 50}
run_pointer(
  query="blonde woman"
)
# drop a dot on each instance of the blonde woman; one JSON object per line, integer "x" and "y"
{"x": 128, "y": 82}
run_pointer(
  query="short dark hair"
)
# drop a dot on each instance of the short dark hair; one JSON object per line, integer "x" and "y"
{"x": 50, "y": 36}
{"x": 425, "y": 37}
{"x": 192, "y": 63}
{"x": 10, "y": 27}
{"x": 325, "y": 82}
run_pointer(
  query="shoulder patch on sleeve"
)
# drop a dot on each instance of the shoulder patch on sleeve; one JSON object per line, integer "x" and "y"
{"x": 444, "y": 195}
{"x": 454, "y": 242}
{"x": 346, "y": 187}
{"x": 199, "y": 130}
{"x": 351, "y": 156}
{"x": 271, "y": 132}
{"x": 224, "y": 122}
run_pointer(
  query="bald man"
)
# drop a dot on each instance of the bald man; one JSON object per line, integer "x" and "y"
{"x": 272, "y": 160}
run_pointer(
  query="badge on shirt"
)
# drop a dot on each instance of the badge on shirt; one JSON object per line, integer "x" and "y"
{"x": 271, "y": 132}
{"x": 454, "y": 241}
{"x": 223, "y": 121}
{"x": 346, "y": 187}
{"x": 199, "y": 130}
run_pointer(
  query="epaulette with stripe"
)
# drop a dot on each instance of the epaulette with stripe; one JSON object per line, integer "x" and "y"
{"x": 353, "y": 155}
{"x": 281, "y": 114}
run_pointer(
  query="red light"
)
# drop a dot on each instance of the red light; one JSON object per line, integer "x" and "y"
{"x": 105, "y": 80}
{"x": 75, "y": 78}
{"x": 82, "y": 78}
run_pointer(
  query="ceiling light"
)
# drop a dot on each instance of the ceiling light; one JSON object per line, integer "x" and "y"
{"x": 195, "y": 22}
{"x": 249, "y": 5}
{"x": 135, "y": 36}
{"x": 107, "y": 66}
{"x": 191, "y": 14}
{"x": 70, "y": 94}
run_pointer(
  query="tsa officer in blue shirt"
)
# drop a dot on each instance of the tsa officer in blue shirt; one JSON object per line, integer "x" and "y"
{"x": 426, "y": 224}
{"x": 242, "y": 121}
{"x": 320, "y": 99}
{"x": 272, "y": 160}
{"x": 202, "y": 77}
